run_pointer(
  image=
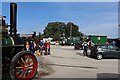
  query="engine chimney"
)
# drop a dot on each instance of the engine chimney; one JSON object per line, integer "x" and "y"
{"x": 13, "y": 18}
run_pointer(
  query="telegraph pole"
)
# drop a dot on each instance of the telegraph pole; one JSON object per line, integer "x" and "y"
{"x": 118, "y": 41}
{"x": 71, "y": 30}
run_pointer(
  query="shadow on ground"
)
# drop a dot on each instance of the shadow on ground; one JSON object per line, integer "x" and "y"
{"x": 63, "y": 65}
{"x": 43, "y": 68}
{"x": 108, "y": 76}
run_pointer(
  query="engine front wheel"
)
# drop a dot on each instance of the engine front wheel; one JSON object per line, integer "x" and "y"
{"x": 23, "y": 66}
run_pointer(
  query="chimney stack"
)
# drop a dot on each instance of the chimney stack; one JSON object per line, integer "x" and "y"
{"x": 13, "y": 18}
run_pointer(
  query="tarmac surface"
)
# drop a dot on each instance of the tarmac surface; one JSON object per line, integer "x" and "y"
{"x": 65, "y": 62}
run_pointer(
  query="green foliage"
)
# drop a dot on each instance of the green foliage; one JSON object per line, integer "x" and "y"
{"x": 72, "y": 30}
{"x": 57, "y": 36}
{"x": 56, "y": 30}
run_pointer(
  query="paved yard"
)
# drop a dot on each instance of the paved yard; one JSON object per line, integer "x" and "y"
{"x": 65, "y": 62}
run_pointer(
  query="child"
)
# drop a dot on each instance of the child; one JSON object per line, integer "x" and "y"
{"x": 27, "y": 46}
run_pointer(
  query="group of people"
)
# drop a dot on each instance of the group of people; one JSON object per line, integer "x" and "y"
{"x": 87, "y": 45}
{"x": 40, "y": 47}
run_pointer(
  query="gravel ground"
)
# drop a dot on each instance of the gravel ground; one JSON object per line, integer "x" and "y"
{"x": 43, "y": 68}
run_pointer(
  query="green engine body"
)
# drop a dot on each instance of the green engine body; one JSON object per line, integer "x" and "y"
{"x": 11, "y": 44}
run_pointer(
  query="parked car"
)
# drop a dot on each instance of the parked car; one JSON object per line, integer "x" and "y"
{"x": 105, "y": 51}
{"x": 53, "y": 42}
{"x": 78, "y": 46}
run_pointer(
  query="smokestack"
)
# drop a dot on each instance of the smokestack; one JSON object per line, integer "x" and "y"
{"x": 13, "y": 18}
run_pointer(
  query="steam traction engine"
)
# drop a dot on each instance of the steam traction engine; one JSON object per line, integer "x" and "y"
{"x": 21, "y": 64}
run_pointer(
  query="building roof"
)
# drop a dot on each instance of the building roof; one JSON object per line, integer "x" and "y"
{"x": 26, "y": 35}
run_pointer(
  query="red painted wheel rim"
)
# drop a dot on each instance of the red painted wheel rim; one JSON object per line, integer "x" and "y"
{"x": 26, "y": 67}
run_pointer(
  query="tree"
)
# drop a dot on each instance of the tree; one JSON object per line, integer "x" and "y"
{"x": 53, "y": 29}
{"x": 72, "y": 30}
{"x": 57, "y": 36}
{"x": 57, "y": 29}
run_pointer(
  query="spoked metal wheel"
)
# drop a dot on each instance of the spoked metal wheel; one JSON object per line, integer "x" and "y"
{"x": 24, "y": 66}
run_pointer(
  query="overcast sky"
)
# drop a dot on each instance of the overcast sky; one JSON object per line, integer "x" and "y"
{"x": 91, "y": 17}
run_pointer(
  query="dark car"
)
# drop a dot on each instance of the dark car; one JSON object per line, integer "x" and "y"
{"x": 105, "y": 51}
{"x": 78, "y": 46}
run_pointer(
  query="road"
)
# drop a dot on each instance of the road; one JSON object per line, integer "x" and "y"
{"x": 65, "y": 62}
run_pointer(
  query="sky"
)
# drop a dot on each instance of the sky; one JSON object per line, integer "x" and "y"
{"x": 91, "y": 17}
{"x": 60, "y": 0}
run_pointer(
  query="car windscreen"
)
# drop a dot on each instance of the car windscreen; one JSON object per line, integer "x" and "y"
{"x": 104, "y": 46}
{"x": 112, "y": 47}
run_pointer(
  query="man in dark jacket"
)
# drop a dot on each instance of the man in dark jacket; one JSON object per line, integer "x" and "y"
{"x": 32, "y": 50}
{"x": 85, "y": 47}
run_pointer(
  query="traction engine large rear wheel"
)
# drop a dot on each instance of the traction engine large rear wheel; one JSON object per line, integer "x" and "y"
{"x": 23, "y": 66}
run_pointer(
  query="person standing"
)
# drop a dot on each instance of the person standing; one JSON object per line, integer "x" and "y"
{"x": 27, "y": 46}
{"x": 48, "y": 48}
{"x": 92, "y": 43}
{"x": 34, "y": 43}
{"x": 89, "y": 44}
{"x": 32, "y": 47}
{"x": 45, "y": 45}
{"x": 41, "y": 47}
{"x": 85, "y": 47}
{"x": 113, "y": 43}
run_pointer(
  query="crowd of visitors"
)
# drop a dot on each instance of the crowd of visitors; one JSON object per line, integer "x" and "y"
{"x": 39, "y": 47}
{"x": 89, "y": 44}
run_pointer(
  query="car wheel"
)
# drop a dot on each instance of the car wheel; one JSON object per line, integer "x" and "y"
{"x": 99, "y": 56}
{"x": 88, "y": 53}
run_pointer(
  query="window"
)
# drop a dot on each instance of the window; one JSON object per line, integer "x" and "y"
{"x": 112, "y": 47}
{"x": 104, "y": 47}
